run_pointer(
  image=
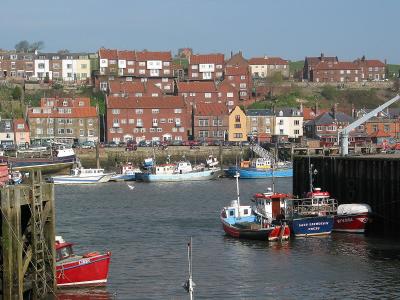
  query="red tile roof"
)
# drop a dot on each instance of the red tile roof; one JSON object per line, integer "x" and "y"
{"x": 127, "y": 55}
{"x": 108, "y": 53}
{"x": 236, "y": 71}
{"x": 147, "y": 55}
{"x": 374, "y": 63}
{"x": 225, "y": 86}
{"x": 313, "y": 60}
{"x": 216, "y": 58}
{"x": 132, "y": 87}
{"x": 145, "y": 102}
{"x": 344, "y": 65}
{"x": 196, "y": 87}
{"x": 211, "y": 109}
{"x": 267, "y": 61}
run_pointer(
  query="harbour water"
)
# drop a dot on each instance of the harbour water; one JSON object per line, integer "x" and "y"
{"x": 147, "y": 230}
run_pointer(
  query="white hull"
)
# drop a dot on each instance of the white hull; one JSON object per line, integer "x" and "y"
{"x": 192, "y": 176}
{"x": 70, "y": 179}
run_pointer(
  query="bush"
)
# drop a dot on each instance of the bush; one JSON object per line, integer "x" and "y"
{"x": 16, "y": 93}
{"x": 329, "y": 92}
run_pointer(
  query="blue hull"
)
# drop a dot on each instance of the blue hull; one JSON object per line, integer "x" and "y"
{"x": 253, "y": 173}
{"x": 192, "y": 176}
{"x": 309, "y": 226}
{"x": 123, "y": 177}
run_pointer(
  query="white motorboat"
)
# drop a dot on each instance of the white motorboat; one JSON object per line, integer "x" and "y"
{"x": 83, "y": 176}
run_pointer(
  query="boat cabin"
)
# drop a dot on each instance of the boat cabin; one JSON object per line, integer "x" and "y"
{"x": 261, "y": 163}
{"x": 318, "y": 197}
{"x": 183, "y": 167}
{"x": 235, "y": 211}
{"x": 270, "y": 205}
{"x": 164, "y": 169}
{"x": 63, "y": 249}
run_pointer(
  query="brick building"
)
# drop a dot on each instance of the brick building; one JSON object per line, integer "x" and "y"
{"x": 312, "y": 61}
{"x": 16, "y": 65}
{"x": 21, "y": 132}
{"x": 143, "y": 66}
{"x": 240, "y": 77}
{"x": 162, "y": 118}
{"x": 64, "y": 120}
{"x": 133, "y": 89}
{"x": 371, "y": 69}
{"x": 206, "y": 66}
{"x": 336, "y": 72}
{"x": 211, "y": 122}
{"x": 260, "y": 124}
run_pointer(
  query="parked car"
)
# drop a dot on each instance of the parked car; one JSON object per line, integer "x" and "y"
{"x": 111, "y": 144}
{"x": 131, "y": 146}
{"x": 177, "y": 143}
{"x": 88, "y": 145}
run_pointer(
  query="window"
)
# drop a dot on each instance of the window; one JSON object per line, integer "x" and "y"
{"x": 217, "y": 122}
{"x": 166, "y": 72}
{"x": 166, "y": 63}
{"x": 142, "y": 63}
{"x": 41, "y": 66}
{"x": 164, "y": 79}
{"x": 123, "y": 121}
{"x": 238, "y": 135}
{"x": 296, "y": 122}
{"x": 130, "y": 70}
{"x": 386, "y": 128}
{"x": 280, "y": 122}
{"x": 83, "y": 66}
{"x": 91, "y": 132}
{"x": 203, "y": 133}
{"x": 319, "y": 128}
{"x": 38, "y": 120}
{"x": 69, "y": 131}
{"x": 115, "y": 111}
{"x": 229, "y": 95}
{"x": 81, "y": 132}
{"x": 207, "y": 75}
{"x": 155, "y": 111}
{"x": 131, "y": 121}
{"x": 50, "y": 131}
{"x": 238, "y": 125}
{"x": 192, "y": 94}
{"x": 39, "y": 130}
{"x": 68, "y": 121}
{"x": 139, "y": 111}
{"x": 61, "y": 131}
{"x": 154, "y": 94}
{"x": 60, "y": 121}
{"x": 81, "y": 103}
{"x": 297, "y": 131}
{"x": 242, "y": 77}
{"x": 203, "y": 122}
{"x": 243, "y": 85}
{"x": 207, "y": 95}
{"x": 154, "y": 72}
{"x": 142, "y": 71}
{"x": 130, "y": 63}
{"x": 69, "y": 66}
{"x": 237, "y": 118}
{"x": 281, "y": 131}
{"x": 159, "y": 129}
{"x": 90, "y": 122}
{"x": 177, "y": 110}
{"x": 194, "y": 67}
{"x": 195, "y": 74}
{"x": 170, "y": 121}
{"x": 138, "y": 94}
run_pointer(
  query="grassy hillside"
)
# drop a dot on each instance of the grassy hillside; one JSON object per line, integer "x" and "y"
{"x": 393, "y": 70}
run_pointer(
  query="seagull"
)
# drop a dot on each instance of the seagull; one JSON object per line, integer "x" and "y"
{"x": 131, "y": 187}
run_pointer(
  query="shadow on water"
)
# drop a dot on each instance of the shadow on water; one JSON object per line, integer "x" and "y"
{"x": 98, "y": 293}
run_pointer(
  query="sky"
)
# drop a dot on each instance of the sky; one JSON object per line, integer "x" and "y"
{"x": 291, "y": 29}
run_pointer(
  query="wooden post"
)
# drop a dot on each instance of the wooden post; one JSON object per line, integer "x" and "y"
{"x": 18, "y": 276}
{"x": 97, "y": 156}
{"x": 7, "y": 245}
{"x": 49, "y": 234}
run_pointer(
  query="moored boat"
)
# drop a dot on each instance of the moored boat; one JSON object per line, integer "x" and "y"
{"x": 83, "y": 176}
{"x": 90, "y": 269}
{"x": 313, "y": 215}
{"x": 352, "y": 218}
{"x": 128, "y": 173}
{"x": 260, "y": 168}
{"x": 181, "y": 171}
{"x": 258, "y": 222}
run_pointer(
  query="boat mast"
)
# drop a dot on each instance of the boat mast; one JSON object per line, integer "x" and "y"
{"x": 238, "y": 192}
{"x": 310, "y": 173}
{"x": 189, "y": 284}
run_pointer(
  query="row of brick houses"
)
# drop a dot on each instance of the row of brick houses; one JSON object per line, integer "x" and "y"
{"x": 330, "y": 69}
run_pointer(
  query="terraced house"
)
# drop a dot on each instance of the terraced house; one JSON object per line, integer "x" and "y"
{"x": 64, "y": 120}
{"x": 206, "y": 66}
{"x": 15, "y": 65}
{"x": 161, "y": 118}
{"x": 263, "y": 67}
{"x": 138, "y": 66}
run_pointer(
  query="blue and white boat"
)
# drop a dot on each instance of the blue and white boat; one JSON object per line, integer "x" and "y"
{"x": 128, "y": 173}
{"x": 83, "y": 176}
{"x": 260, "y": 168}
{"x": 181, "y": 171}
{"x": 313, "y": 215}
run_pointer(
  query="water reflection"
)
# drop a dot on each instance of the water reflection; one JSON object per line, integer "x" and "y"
{"x": 84, "y": 294}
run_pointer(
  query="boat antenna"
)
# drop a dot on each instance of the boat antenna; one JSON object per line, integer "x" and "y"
{"x": 189, "y": 284}
{"x": 310, "y": 173}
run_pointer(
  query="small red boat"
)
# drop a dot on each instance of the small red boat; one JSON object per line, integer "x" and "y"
{"x": 352, "y": 218}
{"x": 90, "y": 269}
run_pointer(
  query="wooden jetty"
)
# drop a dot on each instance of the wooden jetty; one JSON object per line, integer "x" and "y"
{"x": 27, "y": 239}
{"x": 374, "y": 180}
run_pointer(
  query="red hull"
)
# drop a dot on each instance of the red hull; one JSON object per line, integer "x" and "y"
{"x": 265, "y": 234}
{"x": 351, "y": 223}
{"x": 86, "y": 271}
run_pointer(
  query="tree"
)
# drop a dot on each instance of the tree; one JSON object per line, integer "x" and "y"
{"x": 22, "y": 46}
{"x": 16, "y": 93}
{"x": 35, "y": 46}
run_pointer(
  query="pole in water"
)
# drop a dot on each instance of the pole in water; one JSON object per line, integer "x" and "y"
{"x": 189, "y": 284}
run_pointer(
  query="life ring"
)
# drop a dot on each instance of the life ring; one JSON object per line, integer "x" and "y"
{"x": 91, "y": 254}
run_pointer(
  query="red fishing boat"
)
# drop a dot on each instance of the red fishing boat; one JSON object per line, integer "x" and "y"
{"x": 90, "y": 269}
{"x": 352, "y": 218}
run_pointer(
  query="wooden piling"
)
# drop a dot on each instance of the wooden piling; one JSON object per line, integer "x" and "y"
{"x": 21, "y": 233}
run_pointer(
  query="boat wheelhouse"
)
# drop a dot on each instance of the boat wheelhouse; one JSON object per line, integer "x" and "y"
{"x": 83, "y": 176}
